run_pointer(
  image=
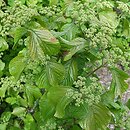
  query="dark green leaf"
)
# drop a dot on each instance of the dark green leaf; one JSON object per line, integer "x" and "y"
{"x": 118, "y": 81}
{"x": 47, "y": 109}
{"x": 98, "y": 117}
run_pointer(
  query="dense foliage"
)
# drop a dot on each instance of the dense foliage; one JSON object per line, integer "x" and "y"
{"x": 49, "y": 54}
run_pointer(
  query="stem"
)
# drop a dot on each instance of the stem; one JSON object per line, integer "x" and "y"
{"x": 96, "y": 69}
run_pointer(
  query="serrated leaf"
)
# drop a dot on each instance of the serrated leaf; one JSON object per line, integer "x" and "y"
{"x": 42, "y": 42}
{"x": 47, "y": 109}
{"x": 78, "y": 112}
{"x": 98, "y": 117}
{"x": 52, "y": 75}
{"x": 57, "y": 96}
{"x": 71, "y": 72}
{"x": 118, "y": 81}
{"x": 17, "y": 64}
{"x": 3, "y": 44}
{"x": 78, "y": 44}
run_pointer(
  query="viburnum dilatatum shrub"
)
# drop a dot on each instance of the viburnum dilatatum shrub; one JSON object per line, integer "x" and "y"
{"x": 50, "y": 52}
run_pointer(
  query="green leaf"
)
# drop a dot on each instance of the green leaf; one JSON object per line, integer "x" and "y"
{"x": 108, "y": 100}
{"x": 3, "y": 44}
{"x": 11, "y": 100}
{"x": 17, "y": 64}
{"x": 32, "y": 3}
{"x": 12, "y": 2}
{"x": 57, "y": 95}
{"x": 18, "y": 33}
{"x": 19, "y": 111}
{"x": 53, "y": 2}
{"x": 52, "y": 75}
{"x": 32, "y": 93}
{"x": 3, "y": 89}
{"x": 78, "y": 44}
{"x": 109, "y": 17}
{"x": 77, "y": 112}
{"x": 62, "y": 104}
{"x": 3, "y": 126}
{"x": 71, "y": 72}
{"x": 5, "y": 116}
{"x": 75, "y": 127}
{"x": 29, "y": 123}
{"x": 118, "y": 81}
{"x": 2, "y": 65}
{"x": 98, "y": 117}
{"x": 128, "y": 103}
{"x": 43, "y": 42}
{"x": 69, "y": 31}
{"x": 47, "y": 109}
{"x": 126, "y": 28}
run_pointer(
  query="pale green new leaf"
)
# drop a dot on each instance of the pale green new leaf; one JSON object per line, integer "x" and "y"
{"x": 3, "y": 126}
{"x": 18, "y": 33}
{"x": 19, "y": 111}
{"x": 3, "y": 44}
{"x": 109, "y": 18}
{"x": 78, "y": 44}
{"x": 2, "y": 65}
{"x": 17, "y": 64}
{"x": 53, "y": 2}
{"x": 98, "y": 117}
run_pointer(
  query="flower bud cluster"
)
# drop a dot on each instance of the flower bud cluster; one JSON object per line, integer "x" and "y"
{"x": 123, "y": 7}
{"x": 50, "y": 125}
{"x": 87, "y": 94}
{"x": 50, "y": 11}
{"x": 15, "y": 16}
{"x": 9, "y": 82}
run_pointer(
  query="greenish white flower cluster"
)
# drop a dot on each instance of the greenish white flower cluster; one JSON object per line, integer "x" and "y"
{"x": 15, "y": 16}
{"x": 50, "y": 11}
{"x": 87, "y": 94}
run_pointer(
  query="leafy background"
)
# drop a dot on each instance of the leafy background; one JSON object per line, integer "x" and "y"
{"x": 50, "y": 52}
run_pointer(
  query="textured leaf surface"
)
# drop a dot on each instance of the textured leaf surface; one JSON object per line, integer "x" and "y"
{"x": 98, "y": 117}
{"x": 52, "y": 75}
{"x": 71, "y": 72}
{"x": 43, "y": 42}
{"x": 118, "y": 81}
